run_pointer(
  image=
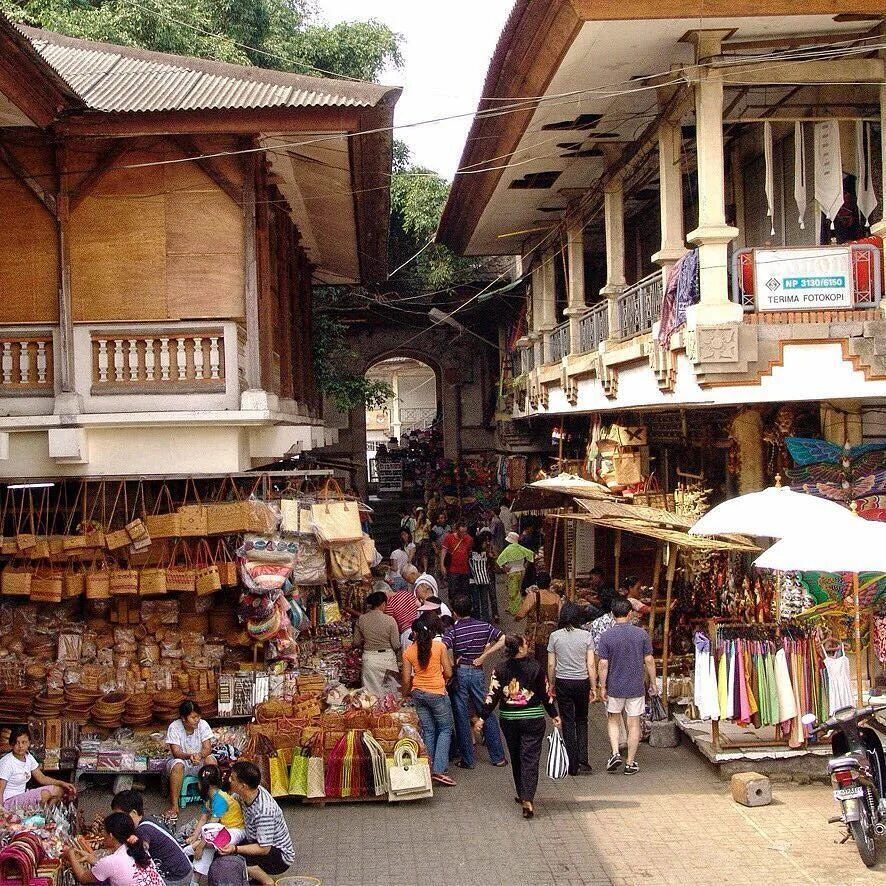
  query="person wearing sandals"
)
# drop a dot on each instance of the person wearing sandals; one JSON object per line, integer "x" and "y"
{"x": 625, "y": 660}
{"x": 426, "y": 668}
{"x": 521, "y": 692}
{"x": 189, "y": 739}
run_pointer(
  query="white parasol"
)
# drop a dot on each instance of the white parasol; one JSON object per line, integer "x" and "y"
{"x": 773, "y": 513}
{"x": 572, "y": 484}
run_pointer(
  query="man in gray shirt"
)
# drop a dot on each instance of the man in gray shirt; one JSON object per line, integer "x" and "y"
{"x": 572, "y": 673}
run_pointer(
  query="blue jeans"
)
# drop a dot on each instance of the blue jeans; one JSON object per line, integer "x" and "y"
{"x": 484, "y": 598}
{"x": 471, "y": 686}
{"x": 435, "y": 716}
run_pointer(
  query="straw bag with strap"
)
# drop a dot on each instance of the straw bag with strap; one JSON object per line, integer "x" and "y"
{"x": 90, "y": 531}
{"x": 136, "y": 528}
{"x": 98, "y": 580}
{"x": 180, "y": 572}
{"x": 46, "y": 584}
{"x": 409, "y": 778}
{"x": 192, "y": 512}
{"x": 152, "y": 579}
{"x": 163, "y": 521}
{"x": 348, "y": 561}
{"x": 228, "y": 573}
{"x": 73, "y": 582}
{"x": 25, "y": 533}
{"x": 8, "y": 546}
{"x": 119, "y": 537}
{"x": 206, "y": 578}
{"x": 16, "y": 578}
{"x": 225, "y": 517}
{"x": 335, "y": 518}
{"x": 122, "y": 581}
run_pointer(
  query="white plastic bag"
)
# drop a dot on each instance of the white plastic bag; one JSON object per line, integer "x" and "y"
{"x": 558, "y": 760}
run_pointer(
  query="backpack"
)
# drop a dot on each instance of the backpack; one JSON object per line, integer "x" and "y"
{"x": 228, "y": 870}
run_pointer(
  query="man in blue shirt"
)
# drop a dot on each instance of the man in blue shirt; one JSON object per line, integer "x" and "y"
{"x": 469, "y": 642}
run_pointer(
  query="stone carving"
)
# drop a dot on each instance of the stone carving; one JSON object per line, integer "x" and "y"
{"x": 716, "y": 344}
{"x": 570, "y": 387}
{"x": 663, "y": 365}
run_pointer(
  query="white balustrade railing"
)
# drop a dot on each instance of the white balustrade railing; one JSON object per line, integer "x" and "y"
{"x": 26, "y": 364}
{"x": 173, "y": 359}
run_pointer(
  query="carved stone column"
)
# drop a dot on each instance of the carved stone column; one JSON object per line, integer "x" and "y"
{"x": 614, "y": 221}
{"x": 575, "y": 285}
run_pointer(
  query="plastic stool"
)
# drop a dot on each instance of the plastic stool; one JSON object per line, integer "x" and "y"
{"x": 190, "y": 792}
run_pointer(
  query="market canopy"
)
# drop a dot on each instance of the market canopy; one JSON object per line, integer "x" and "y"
{"x": 555, "y": 493}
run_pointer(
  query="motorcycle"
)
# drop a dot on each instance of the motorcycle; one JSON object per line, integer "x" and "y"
{"x": 857, "y": 770}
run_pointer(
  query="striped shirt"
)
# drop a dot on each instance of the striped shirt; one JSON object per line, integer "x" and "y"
{"x": 266, "y": 826}
{"x": 403, "y": 606}
{"x": 479, "y": 568}
{"x": 468, "y": 637}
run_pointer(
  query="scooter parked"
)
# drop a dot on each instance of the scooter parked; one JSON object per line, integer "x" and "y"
{"x": 857, "y": 770}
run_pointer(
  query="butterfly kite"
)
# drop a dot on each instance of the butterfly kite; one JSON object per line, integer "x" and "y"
{"x": 843, "y": 474}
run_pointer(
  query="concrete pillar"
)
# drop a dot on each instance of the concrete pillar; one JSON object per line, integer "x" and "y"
{"x": 575, "y": 285}
{"x": 549, "y": 303}
{"x": 536, "y": 336}
{"x": 614, "y": 222}
{"x": 670, "y": 198}
{"x": 879, "y": 228}
{"x": 712, "y": 234}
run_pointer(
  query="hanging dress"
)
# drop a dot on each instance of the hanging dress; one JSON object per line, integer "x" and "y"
{"x": 840, "y": 694}
{"x": 705, "y": 685}
{"x": 787, "y": 705}
{"x": 723, "y": 685}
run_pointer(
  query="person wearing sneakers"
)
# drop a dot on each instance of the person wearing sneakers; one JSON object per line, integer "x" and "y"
{"x": 625, "y": 658}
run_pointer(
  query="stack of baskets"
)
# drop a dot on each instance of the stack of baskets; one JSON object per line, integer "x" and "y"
{"x": 16, "y": 703}
{"x": 50, "y": 704}
{"x": 166, "y": 704}
{"x": 138, "y": 711}
{"x": 107, "y": 712}
{"x": 79, "y": 701}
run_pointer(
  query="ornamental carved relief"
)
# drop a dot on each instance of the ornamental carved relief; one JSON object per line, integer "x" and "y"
{"x": 716, "y": 344}
{"x": 570, "y": 387}
{"x": 663, "y": 365}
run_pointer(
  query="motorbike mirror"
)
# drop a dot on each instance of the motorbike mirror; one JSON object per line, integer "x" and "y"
{"x": 808, "y": 719}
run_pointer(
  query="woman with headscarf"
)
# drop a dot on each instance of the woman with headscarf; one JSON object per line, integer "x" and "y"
{"x": 512, "y": 560}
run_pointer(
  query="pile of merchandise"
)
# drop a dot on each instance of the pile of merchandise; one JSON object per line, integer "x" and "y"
{"x": 32, "y": 842}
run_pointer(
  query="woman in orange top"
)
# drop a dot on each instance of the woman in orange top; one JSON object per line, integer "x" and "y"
{"x": 426, "y": 668}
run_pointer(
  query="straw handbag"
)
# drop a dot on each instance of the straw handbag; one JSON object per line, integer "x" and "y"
{"x": 192, "y": 514}
{"x": 227, "y": 517}
{"x": 46, "y": 585}
{"x": 180, "y": 574}
{"x": 152, "y": 581}
{"x": 25, "y": 534}
{"x": 164, "y": 521}
{"x": 15, "y": 580}
{"x": 335, "y": 518}
{"x": 228, "y": 572}
{"x": 118, "y": 538}
{"x": 206, "y": 579}
{"x": 73, "y": 583}
{"x": 98, "y": 582}
{"x": 136, "y": 528}
{"x": 122, "y": 581}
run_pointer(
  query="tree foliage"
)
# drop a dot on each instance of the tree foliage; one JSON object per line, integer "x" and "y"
{"x": 280, "y": 34}
{"x": 334, "y": 362}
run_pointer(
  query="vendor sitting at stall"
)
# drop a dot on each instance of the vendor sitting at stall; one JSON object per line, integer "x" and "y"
{"x": 267, "y": 846}
{"x": 189, "y": 740}
{"x": 18, "y": 767}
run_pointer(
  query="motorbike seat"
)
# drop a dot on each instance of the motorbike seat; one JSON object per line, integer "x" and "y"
{"x": 843, "y": 763}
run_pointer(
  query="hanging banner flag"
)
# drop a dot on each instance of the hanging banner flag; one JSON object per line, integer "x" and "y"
{"x": 866, "y": 195}
{"x": 800, "y": 173}
{"x": 770, "y": 175}
{"x": 828, "y": 168}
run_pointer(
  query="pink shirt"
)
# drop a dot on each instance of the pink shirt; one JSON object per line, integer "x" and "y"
{"x": 120, "y": 869}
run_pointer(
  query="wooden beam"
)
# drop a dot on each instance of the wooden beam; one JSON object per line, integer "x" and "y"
{"x": 208, "y": 165}
{"x": 606, "y": 10}
{"x": 250, "y": 121}
{"x": 65, "y": 359}
{"x": 250, "y": 277}
{"x": 24, "y": 177}
{"x": 811, "y": 72}
{"x": 102, "y": 167}
{"x": 673, "y": 553}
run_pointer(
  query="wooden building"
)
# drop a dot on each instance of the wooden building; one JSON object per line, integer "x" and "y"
{"x": 165, "y": 220}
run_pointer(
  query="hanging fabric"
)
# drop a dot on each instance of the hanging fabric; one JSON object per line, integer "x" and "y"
{"x": 828, "y": 168}
{"x": 770, "y": 175}
{"x": 800, "y": 173}
{"x": 866, "y": 196}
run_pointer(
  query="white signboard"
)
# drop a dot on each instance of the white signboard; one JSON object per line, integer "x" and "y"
{"x": 813, "y": 279}
{"x": 390, "y": 475}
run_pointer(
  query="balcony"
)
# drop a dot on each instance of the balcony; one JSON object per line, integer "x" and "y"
{"x": 26, "y": 366}
{"x": 558, "y": 343}
{"x": 639, "y": 306}
{"x": 593, "y": 328}
{"x": 528, "y": 359}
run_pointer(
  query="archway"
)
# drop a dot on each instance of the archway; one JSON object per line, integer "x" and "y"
{"x": 412, "y": 410}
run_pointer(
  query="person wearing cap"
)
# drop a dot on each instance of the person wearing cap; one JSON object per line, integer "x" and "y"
{"x": 513, "y": 560}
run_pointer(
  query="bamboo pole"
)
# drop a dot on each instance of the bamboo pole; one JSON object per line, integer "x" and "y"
{"x": 617, "y": 558}
{"x": 656, "y": 581}
{"x": 673, "y": 553}
{"x": 857, "y": 620}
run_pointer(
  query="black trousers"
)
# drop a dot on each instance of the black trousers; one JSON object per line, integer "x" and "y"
{"x": 572, "y": 702}
{"x": 524, "y": 738}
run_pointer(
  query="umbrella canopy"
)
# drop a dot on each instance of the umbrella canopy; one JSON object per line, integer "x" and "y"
{"x": 855, "y": 545}
{"x": 555, "y": 493}
{"x": 572, "y": 484}
{"x": 773, "y": 513}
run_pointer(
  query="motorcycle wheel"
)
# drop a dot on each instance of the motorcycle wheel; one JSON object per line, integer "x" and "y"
{"x": 863, "y": 833}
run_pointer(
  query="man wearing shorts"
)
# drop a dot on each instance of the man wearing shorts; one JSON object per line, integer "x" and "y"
{"x": 267, "y": 846}
{"x": 625, "y": 655}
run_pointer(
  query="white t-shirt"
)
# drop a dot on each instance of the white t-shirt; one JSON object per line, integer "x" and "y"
{"x": 190, "y": 744}
{"x": 16, "y": 773}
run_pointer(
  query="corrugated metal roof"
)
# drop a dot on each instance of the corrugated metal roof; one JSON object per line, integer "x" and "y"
{"x": 124, "y": 79}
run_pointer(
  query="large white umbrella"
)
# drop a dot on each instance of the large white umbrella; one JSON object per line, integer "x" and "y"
{"x": 773, "y": 513}
{"x": 853, "y": 545}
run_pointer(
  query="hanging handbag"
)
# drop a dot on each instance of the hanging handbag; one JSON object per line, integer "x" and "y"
{"x": 152, "y": 581}
{"x": 409, "y": 778}
{"x": 626, "y": 469}
{"x": 15, "y": 580}
{"x": 192, "y": 513}
{"x": 46, "y": 585}
{"x": 118, "y": 538}
{"x": 227, "y": 565}
{"x": 180, "y": 575}
{"x": 136, "y": 528}
{"x": 298, "y": 773}
{"x": 227, "y": 517}
{"x": 206, "y": 577}
{"x": 74, "y": 583}
{"x": 347, "y": 561}
{"x": 98, "y": 582}
{"x": 279, "y": 775}
{"x": 296, "y": 516}
{"x": 316, "y": 777}
{"x": 163, "y": 521}
{"x": 558, "y": 759}
{"x": 122, "y": 581}
{"x": 310, "y": 563}
{"x": 25, "y": 534}
{"x": 336, "y": 519}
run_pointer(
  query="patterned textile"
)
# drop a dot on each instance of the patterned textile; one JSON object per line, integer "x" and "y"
{"x": 681, "y": 292}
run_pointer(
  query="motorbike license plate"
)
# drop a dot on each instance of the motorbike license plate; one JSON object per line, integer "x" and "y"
{"x": 848, "y": 793}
